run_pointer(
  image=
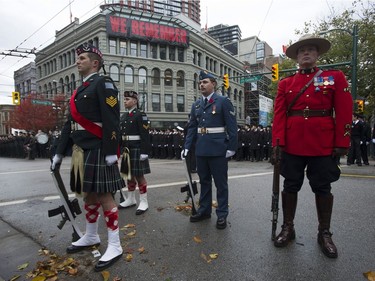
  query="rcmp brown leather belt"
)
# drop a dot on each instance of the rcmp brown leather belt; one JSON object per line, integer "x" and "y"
{"x": 131, "y": 138}
{"x": 212, "y": 130}
{"x": 310, "y": 113}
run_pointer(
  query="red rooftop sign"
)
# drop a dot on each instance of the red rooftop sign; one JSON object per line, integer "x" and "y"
{"x": 143, "y": 30}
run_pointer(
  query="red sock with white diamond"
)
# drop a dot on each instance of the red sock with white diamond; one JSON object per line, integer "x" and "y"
{"x": 114, "y": 248}
{"x": 91, "y": 236}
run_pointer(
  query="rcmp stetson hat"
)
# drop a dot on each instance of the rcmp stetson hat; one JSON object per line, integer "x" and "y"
{"x": 204, "y": 74}
{"x": 322, "y": 44}
{"x": 131, "y": 94}
{"x": 88, "y": 48}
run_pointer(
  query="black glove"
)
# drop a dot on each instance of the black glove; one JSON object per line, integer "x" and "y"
{"x": 339, "y": 151}
{"x": 274, "y": 156}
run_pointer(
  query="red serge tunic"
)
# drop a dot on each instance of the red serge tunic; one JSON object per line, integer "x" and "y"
{"x": 313, "y": 136}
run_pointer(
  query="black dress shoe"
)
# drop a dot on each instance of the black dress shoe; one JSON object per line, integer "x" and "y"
{"x": 140, "y": 212}
{"x": 75, "y": 249}
{"x": 101, "y": 265}
{"x": 199, "y": 217}
{"x": 221, "y": 223}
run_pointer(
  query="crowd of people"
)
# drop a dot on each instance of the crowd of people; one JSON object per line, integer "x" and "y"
{"x": 29, "y": 145}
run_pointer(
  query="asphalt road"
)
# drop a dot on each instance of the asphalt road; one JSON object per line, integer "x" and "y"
{"x": 174, "y": 248}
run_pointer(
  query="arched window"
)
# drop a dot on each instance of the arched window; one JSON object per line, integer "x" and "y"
{"x": 114, "y": 72}
{"x": 142, "y": 76}
{"x": 168, "y": 78}
{"x": 155, "y": 77}
{"x": 129, "y": 74}
{"x": 196, "y": 81}
{"x": 180, "y": 79}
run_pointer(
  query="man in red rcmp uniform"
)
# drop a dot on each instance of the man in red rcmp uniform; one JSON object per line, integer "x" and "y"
{"x": 93, "y": 130}
{"x": 312, "y": 122}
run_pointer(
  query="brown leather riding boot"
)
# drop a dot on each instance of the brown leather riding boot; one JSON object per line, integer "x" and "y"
{"x": 287, "y": 234}
{"x": 324, "y": 206}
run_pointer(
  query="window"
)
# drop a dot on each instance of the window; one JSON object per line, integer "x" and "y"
{"x": 114, "y": 73}
{"x": 195, "y": 82}
{"x": 180, "y": 54}
{"x": 154, "y": 51}
{"x": 133, "y": 49}
{"x": 143, "y": 53}
{"x": 163, "y": 52}
{"x": 112, "y": 46}
{"x": 128, "y": 74}
{"x": 172, "y": 53}
{"x": 123, "y": 48}
{"x": 180, "y": 79}
{"x": 180, "y": 103}
{"x": 155, "y": 78}
{"x": 168, "y": 78}
{"x": 142, "y": 76}
{"x": 142, "y": 101}
{"x": 155, "y": 102}
{"x": 168, "y": 103}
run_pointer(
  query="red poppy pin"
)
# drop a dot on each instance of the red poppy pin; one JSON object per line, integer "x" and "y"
{"x": 131, "y": 114}
{"x": 211, "y": 100}
{"x": 86, "y": 84}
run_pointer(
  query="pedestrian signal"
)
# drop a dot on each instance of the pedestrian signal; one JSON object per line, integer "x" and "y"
{"x": 359, "y": 105}
{"x": 16, "y": 98}
{"x": 226, "y": 81}
{"x": 275, "y": 72}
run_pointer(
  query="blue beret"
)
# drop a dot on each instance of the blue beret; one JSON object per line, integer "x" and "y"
{"x": 205, "y": 74}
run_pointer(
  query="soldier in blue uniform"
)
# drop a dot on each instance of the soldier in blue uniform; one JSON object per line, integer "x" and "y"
{"x": 135, "y": 146}
{"x": 213, "y": 129}
{"x": 93, "y": 131}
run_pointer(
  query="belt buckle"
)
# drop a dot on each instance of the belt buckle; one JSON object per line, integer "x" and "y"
{"x": 306, "y": 112}
{"x": 203, "y": 130}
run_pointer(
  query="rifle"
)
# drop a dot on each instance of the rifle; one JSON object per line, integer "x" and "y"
{"x": 69, "y": 208}
{"x": 275, "y": 189}
{"x": 190, "y": 187}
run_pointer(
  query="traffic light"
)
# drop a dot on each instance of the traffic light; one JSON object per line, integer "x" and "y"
{"x": 226, "y": 81}
{"x": 16, "y": 98}
{"x": 275, "y": 72}
{"x": 359, "y": 105}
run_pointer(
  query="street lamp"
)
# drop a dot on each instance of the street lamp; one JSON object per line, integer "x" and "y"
{"x": 354, "y": 35}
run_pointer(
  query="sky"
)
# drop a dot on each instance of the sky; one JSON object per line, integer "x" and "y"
{"x": 28, "y": 24}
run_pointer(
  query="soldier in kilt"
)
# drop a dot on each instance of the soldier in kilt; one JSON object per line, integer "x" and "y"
{"x": 135, "y": 147}
{"x": 93, "y": 130}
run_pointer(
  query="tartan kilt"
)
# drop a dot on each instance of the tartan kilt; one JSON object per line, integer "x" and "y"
{"x": 98, "y": 177}
{"x": 137, "y": 167}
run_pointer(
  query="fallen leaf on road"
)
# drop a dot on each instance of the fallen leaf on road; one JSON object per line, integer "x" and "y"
{"x": 141, "y": 250}
{"x": 15, "y": 277}
{"x": 132, "y": 233}
{"x": 129, "y": 257}
{"x": 23, "y": 266}
{"x": 197, "y": 239}
{"x": 214, "y": 256}
{"x": 370, "y": 275}
{"x": 105, "y": 275}
{"x": 39, "y": 278}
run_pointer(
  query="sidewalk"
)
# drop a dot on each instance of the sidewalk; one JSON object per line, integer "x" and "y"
{"x": 16, "y": 249}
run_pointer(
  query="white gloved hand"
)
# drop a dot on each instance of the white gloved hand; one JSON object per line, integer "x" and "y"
{"x": 184, "y": 153}
{"x": 57, "y": 159}
{"x": 143, "y": 157}
{"x": 361, "y": 142}
{"x": 373, "y": 140}
{"x": 111, "y": 159}
{"x": 229, "y": 153}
